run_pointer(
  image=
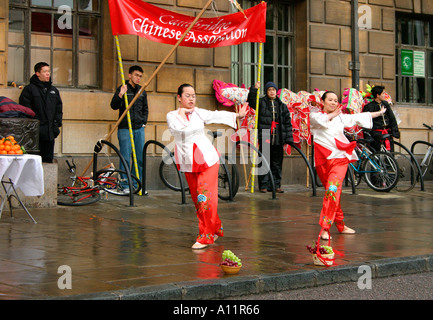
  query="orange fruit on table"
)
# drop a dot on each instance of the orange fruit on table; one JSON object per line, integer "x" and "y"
{"x": 19, "y": 151}
{"x": 2, "y": 147}
{"x": 3, "y": 152}
{"x": 11, "y": 152}
{"x": 8, "y": 148}
{"x": 7, "y": 143}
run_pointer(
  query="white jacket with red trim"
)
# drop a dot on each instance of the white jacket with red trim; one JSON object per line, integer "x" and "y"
{"x": 193, "y": 149}
{"x": 329, "y": 139}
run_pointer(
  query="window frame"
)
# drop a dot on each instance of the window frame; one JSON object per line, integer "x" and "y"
{"x": 243, "y": 69}
{"x": 27, "y": 8}
{"x": 427, "y": 48}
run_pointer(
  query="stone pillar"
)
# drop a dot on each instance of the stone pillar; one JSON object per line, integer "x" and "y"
{"x": 4, "y": 13}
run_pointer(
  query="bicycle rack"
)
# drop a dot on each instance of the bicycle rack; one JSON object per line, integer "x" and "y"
{"x": 182, "y": 185}
{"x": 268, "y": 167}
{"x": 97, "y": 149}
{"x": 421, "y": 178}
{"x": 313, "y": 179}
{"x": 264, "y": 161}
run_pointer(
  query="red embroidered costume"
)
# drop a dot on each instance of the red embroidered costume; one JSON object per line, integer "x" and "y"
{"x": 197, "y": 157}
{"x": 332, "y": 154}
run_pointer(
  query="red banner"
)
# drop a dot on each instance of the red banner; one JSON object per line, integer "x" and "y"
{"x": 148, "y": 21}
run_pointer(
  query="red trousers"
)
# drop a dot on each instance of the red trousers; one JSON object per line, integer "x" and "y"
{"x": 332, "y": 174}
{"x": 203, "y": 187}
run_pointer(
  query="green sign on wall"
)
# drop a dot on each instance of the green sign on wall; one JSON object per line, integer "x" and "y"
{"x": 413, "y": 63}
{"x": 407, "y": 62}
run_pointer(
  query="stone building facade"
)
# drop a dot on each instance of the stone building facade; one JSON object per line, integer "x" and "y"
{"x": 319, "y": 50}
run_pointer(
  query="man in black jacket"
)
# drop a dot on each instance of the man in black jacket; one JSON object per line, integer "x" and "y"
{"x": 385, "y": 124}
{"x": 274, "y": 131}
{"x": 44, "y": 99}
{"x": 138, "y": 115}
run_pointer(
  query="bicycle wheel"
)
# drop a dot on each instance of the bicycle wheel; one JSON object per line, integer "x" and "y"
{"x": 111, "y": 181}
{"x": 224, "y": 183}
{"x": 170, "y": 176}
{"x": 77, "y": 197}
{"x": 234, "y": 174}
{"x": 407, "y": 172}
{"x": 380, "y": 171}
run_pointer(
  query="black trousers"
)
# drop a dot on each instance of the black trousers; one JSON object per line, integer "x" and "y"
{"x": 275, "y": 161}
{"x": 46, "y": 150}
{"x": 377, "y": 144}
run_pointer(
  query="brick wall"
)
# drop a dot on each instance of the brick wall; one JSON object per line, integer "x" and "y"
{"x": 329, "y": 26}
{"x": 329, "y": 52}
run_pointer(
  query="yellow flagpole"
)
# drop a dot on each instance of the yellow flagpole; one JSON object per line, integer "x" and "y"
{"x": 126, "y": 106}
{"x": 259, "y": 75}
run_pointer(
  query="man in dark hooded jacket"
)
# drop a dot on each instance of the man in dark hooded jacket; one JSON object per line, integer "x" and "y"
{"x": 44, "y": 99}
{"x": 274, "y": 131}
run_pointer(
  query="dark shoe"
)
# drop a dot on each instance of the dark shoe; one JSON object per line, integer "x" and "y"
{"x": 279, "y": 190}
{"x": 263, "y": 190}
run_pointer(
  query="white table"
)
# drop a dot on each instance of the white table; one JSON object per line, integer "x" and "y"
{"x": 24, "y": 172}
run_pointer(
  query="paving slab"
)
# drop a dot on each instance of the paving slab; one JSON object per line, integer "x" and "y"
{"x": 112, "y": 250}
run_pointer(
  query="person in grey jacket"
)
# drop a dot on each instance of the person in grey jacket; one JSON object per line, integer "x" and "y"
{"x": 274, "y": 128}
{"x": 44, "y": 99}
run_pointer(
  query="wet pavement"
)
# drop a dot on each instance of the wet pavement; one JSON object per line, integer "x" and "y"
{"x": 118, "y": 251}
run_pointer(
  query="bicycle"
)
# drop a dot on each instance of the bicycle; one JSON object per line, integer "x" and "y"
{"x": 228, "y": 175}
{"x": 426, "y": 162}
{"x": 87, "y": 190}
{"x": 379, "y": 169}
{"x": 405, "y": 161}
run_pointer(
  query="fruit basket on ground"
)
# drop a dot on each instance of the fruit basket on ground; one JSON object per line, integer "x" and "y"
{"x": 230, "y": 264}
{"x": 322, "y": 255}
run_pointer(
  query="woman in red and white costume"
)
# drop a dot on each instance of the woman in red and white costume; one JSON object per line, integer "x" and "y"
{"x": 198, "y": 159}
{"x": 332, "y": 154}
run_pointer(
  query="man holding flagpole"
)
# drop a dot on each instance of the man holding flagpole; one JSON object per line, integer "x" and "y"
{"x": 138, "y": 115}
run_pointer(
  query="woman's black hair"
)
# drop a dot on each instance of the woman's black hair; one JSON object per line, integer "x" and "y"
{"x": 180, "y": 89}
{"x": 326, "y": 92}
